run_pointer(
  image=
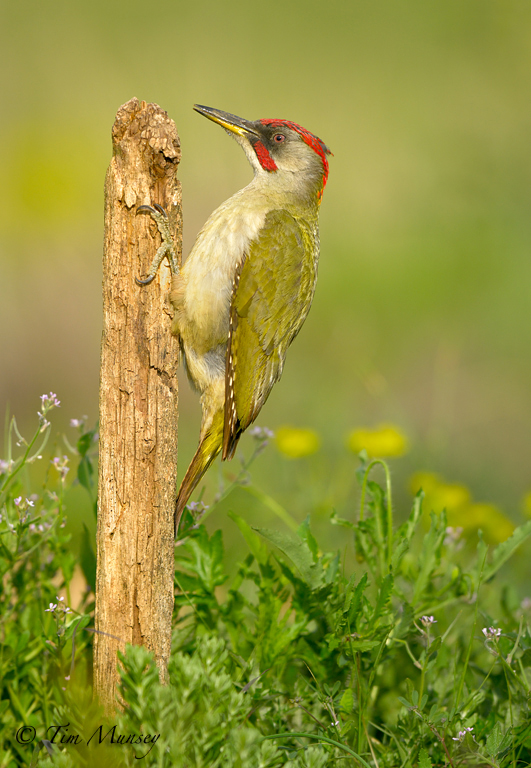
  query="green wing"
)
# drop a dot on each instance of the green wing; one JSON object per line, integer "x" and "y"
{"x": 272, "y": 293}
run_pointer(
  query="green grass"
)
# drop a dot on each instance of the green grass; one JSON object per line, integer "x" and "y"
{"x": 402, "y": 648}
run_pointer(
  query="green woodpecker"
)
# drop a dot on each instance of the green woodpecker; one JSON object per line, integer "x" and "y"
{"x": 246, "y": 288}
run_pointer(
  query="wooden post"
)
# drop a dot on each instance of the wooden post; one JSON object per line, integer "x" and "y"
{"x": 138, "y": 400}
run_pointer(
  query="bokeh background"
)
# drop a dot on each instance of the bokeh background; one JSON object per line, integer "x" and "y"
{"x": 421, "y": 316}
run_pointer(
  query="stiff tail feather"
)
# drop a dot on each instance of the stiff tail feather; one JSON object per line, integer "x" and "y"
{"x": 208, "y": 449}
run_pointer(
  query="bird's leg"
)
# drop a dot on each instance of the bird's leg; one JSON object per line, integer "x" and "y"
{"x": 159, "y": 215}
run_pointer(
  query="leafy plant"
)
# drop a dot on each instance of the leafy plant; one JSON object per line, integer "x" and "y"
{"x": 387, "y": 658}
{"x": 37, "y": 627}
{"x": 402, "y": 650}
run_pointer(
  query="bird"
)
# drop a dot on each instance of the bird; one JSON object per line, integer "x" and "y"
{"x": 245, "y": 289}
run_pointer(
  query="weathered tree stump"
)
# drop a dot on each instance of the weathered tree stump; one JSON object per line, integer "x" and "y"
{"x": 138, "y": 400}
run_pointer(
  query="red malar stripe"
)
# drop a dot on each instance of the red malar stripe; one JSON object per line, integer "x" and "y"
{"x": 264, "y": 158}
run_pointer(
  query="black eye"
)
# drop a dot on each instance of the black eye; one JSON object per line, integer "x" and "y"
{"x": 278, "y": 138}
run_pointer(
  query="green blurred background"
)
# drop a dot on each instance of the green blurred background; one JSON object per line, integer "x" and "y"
{"x": 421, "y": 316}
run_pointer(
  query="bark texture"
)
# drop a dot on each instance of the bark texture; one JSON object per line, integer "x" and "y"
{"x": 138, "y": 400}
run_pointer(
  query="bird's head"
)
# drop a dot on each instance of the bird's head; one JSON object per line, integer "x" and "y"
{"x": 279, "y": 150}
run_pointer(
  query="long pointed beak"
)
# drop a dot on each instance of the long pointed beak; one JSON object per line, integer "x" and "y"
{"x": 230, "y": 122}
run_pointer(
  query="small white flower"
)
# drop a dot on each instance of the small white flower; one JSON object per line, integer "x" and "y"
{"x": 61, "y": 466}
{"x": 491, "y": 633}
{"x": 197, "y": 507}
{"x": 51, "y": 609}
{"x": 428, "y": 620}
{"x": 50, "y": 401}
{"x": 453, "y": 536}
{"x": 461, "y": 735}
{"x": 262, "y": 433}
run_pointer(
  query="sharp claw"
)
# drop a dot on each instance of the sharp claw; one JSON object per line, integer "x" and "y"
{"x": 155, "y": 208}
{"x": 146, "y": 281}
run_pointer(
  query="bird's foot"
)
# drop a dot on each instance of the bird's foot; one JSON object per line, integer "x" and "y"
{"x": 159, "y": 215}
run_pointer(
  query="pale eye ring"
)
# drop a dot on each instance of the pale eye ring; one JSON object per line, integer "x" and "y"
{"x": 279, "y": 138}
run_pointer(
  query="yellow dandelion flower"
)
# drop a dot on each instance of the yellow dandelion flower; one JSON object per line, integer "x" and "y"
{"x": 452, "y": 496}
{"x": 461, "y": 510}
{"x": 495, "y": 525}
{"x": 439, "y": 494}
{"x": 385, "y": 440}
{"x": 295, "y": 442}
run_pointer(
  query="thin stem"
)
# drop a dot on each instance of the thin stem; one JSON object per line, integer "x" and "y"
{"x": 274, "y": 506}
{"x": 391, "y": 735}
{"x": 237, "y": 482}
{"x": 509, "y": 670}
{"x": 442, "y": 741}
{"x": 360, "y": 703}
{"x": 510, "y": 707}
{"x": 370, "y": 747}
{"x": 317, "y": 737}
{"x": 469, "y": 649}
{"x": 372, "y": 464}
{"x": 515, "y": 646}
{"x": 422, "y": 679}
{"x": 319, "y": 723}
{"x": 524, "y": 677}
{"x": 424, "y": 666}
{"x": 253, "y": 491}
{"x": 377, "y": 659}
{"x": 191, "y": 604}
{"x": 24, "y": 458}
{"x": 409, "y": 652}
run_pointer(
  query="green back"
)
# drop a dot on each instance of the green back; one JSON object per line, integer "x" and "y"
{"x": 272, "y": 294}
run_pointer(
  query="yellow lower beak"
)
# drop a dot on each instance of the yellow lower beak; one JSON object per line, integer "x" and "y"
{"x": 230, "y": 122}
